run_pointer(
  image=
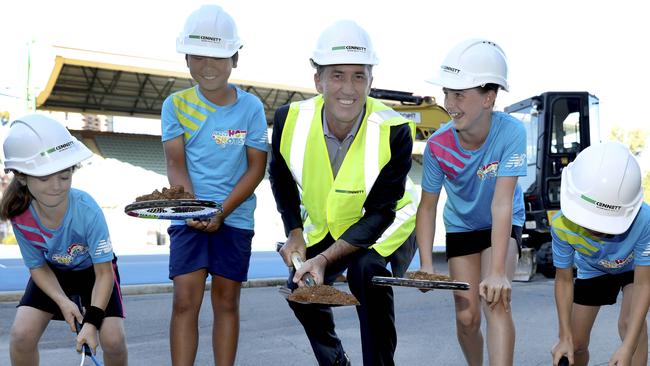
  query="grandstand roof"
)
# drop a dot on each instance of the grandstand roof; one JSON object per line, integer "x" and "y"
{"x": 109, "y": 84}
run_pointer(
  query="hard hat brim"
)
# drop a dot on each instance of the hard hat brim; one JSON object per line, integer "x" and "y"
{"x": 58, "y": 165}
{"x": 206, "y": 52}
{"x": 445, "y": 80}
{"x": 450, "y": 82}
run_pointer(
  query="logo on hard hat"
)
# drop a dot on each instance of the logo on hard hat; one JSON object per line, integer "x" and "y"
{"x": 350, "y": 48}
{"x": 205, "y": 38}
{"x": 450, "y": 69}
{"x": 59, "y": 148}
{"x": 601, "y": 205}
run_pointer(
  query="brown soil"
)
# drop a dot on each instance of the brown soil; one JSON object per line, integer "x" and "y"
{"x": 419, "y": 275}
{"x": 322, "y": 294}
{"x": 171, "y": 193}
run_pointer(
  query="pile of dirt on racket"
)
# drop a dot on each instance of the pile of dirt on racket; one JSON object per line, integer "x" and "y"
{"x": 322, "y": 294}
{"x": 419, "y": 275}
{"x": 171, "y": 193}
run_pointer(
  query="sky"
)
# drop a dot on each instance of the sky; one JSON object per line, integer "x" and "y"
{"x": 568, "y": 45}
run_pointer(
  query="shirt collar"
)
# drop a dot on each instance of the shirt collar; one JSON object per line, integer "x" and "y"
{"x": 353, "y": 131}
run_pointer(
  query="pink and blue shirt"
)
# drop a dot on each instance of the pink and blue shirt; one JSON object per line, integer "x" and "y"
{"x": 80, "y": 241}
{"x": 469, "y": 176}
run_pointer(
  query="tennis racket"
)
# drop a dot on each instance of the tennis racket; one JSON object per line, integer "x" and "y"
{"x": 174, "y": 209}
{"x": 421, "y": 284}
{"x": 86, "y": 349}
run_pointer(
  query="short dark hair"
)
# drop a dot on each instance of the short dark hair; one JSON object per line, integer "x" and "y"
{"x": 488, "y": 87}
{"x": 320, "y": 68}
{"x": 234, "y": 57}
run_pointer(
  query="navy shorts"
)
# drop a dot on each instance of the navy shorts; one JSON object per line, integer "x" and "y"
{"x": 472, "y": 242}
{"x": 601, "y": 290}
{"x": 225, "y": 253}
{"x": 73, "y": 283}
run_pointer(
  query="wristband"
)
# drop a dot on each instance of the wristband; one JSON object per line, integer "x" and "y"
{"x": 326, "y": 260}
{"x": 94, "y": 316}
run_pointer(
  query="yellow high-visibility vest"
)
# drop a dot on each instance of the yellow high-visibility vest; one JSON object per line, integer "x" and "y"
{"x": 333, "y": 205}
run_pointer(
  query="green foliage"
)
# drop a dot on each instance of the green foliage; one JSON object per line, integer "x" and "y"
{"x": 617, "y": 133}
{"x": 646, "y": 188}
{"x": 634, "y": 139}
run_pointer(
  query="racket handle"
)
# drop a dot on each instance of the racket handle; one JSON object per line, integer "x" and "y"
{"x": 77, "y": 300}
{"x": 564, "y": 361}
{"x": 297, "y": 263}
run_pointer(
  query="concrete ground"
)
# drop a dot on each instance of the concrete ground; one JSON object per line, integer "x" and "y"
{"x": 271, "y": 335}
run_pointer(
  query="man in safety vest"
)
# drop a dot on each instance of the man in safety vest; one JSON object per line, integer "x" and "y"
{"x": 339, "y": 176}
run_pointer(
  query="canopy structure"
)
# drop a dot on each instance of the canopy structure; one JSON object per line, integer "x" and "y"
{"x": 102, "y": 83}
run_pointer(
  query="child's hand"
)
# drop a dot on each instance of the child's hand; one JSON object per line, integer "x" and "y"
{"x": 208, "y": 225}
{"x": 87, "y": 335}
{"x": 622, "y": 357}
{"x": 494, "y": 289}
{"x": 563, "y": 347}
{"x": 427, "y": 269}
{"x": 71, "y": 313}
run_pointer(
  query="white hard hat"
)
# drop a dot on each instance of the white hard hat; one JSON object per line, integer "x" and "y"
{"x": 37, "y": 145}
{"x": 344, "y": 43}
{"x": 473, "y": 63}
{"x": 601, "y": 189}
{"x": 209, "y": 31}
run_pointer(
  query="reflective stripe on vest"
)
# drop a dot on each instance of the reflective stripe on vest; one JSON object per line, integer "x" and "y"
{"x": 337, "y": 212}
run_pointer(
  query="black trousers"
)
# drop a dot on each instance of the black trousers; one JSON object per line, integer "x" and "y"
{"x": 376, "y": 312}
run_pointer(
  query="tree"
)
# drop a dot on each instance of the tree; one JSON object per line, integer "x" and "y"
{"x": 646, "y": 187}
{"x": 617, "y": 133}
{"x": 635, "y": 141}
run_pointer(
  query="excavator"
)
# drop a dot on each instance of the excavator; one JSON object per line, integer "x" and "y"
{"x": 558, "y": 126}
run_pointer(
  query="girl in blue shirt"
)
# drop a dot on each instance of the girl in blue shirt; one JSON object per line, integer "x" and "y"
{"x": 477, "y": 157}
{"x": 64, "y": 241}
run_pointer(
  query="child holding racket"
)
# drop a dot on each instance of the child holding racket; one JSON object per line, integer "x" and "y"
{"x": 64, "y": 241}
{"x": 215, "y": 143}
{"x": 477, "y": 157}
{"x": 604, "y": 229}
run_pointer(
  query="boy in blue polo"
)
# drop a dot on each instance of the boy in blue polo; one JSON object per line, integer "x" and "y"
{"x": 604, "y": 229}
{"x": 214, "y": 137}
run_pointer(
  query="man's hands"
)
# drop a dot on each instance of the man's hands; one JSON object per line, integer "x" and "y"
{"x": 295, "y": 244}
{"x": 315, "y": 267}
{"x": 494, "y": 289}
